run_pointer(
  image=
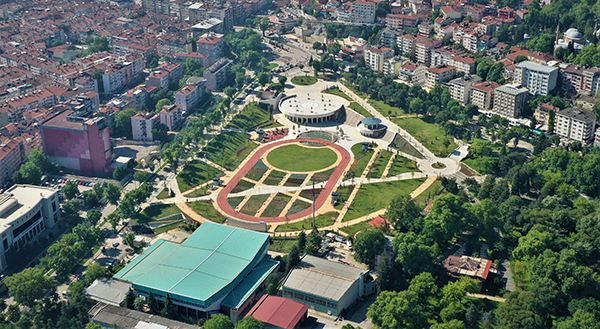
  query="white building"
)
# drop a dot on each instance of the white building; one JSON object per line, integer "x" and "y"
{"x": 376, "y": 57}
{"x": 186, "y": 97}
{"x": 539, "y": 79}
{"x": 363, "y": 11}
{"x": 460, "y": 88}
{"x": 142, "y": 124}
{"x": 509, "y": 100}
{"x": 25, "y": 212}
{"x": 576, "y": 124}
{"x": 482, "y": 95}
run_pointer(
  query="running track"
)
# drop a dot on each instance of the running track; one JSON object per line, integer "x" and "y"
{"x": 319, "y": 202}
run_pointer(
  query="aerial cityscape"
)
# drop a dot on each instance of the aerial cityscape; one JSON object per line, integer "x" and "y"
{"x": 253, "y": 164}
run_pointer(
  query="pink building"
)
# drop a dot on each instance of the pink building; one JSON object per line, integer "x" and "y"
{"x": 171, "y": 116}
{"x": 78, "y": 143}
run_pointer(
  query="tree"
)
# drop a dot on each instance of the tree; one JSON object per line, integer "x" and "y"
{"x": 301, "y": 241}
{"x": 139, "y": 303}
{"x": 93, "y": 216}
{"x": 123, "y": 123}
{"x": 14, "y": 313}
{"x": 94, "y": 272}
{"x": 169, "y": 310}
{"x": 403, "y": 213}
{"x": 383, "y": 8}
{"x": 250, "y": 322}
{"x": 520, "y": 58}
{"x": 70, "y": 190}
{"x": 129, "y": 239}
{"x": 383, "y": 274}
{"x": 28, "y": 285}
{"x": 114, "y": 218}
{"x": 229, "y": 91}
{"x": 218, "y": 321}
{"x": 161, "y": 103}
{"x": 481, "y": 148}
{"x": 91, "y": 198}
{"x": 112, "y": 193}
{"x": 282, "y": 79}
{"x": 413, "y": 254}
{"x": 314, "y": 242}
{"x": 263, "y": 78}
{"x": 264, "y": 25}
{"x": 29, "y": 173}
{"x": 71, "y": 209}
{"x": 141, "y": 176}
{"x": 119, "y": 173}
{"x": 129, "y": 301}
{"x": 41, "y": 160}
{"x": 152, "y": 303}
{"x": 334, "y": 48}
{"x": 93, "y": 325}
{"x": 367, "y": 245}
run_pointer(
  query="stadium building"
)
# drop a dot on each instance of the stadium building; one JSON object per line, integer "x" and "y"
{"x": 218, "y": 268}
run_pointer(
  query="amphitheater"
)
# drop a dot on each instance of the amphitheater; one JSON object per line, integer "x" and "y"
{"x": 312, "y": 108}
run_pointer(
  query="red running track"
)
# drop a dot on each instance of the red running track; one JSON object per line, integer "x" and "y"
{"x": 319, "y": 202}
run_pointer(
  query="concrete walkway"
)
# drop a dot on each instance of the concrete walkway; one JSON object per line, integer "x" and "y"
{"x": 480, "y": 296}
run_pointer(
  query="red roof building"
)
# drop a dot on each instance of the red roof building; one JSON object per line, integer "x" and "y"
{"x": 279, "y": 312}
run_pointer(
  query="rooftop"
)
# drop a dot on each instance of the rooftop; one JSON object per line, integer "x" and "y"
{"x": 512, "y": 89}
{"x": 129, "y": 319}
{"x": 537, "y": 67}
{"x": 18, "y": 200}
{"x": 578, "y": 114}
{"x": 65, "y": 120}
{"x": 278, "y": 311}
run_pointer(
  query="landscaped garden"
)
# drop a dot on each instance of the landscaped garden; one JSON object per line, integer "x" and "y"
{"x": 321, "y": 176}
{"x": 323, "y": 220}
{"x": 253, "y": 204}
{"x": 379, "y": 164}
{"x": 400, "y": 144}
{"x": 257, "y": 171}
{"x": 274, "y": 178}
{"x": 229, "y": 149}
{"x": 295, "y": 180}
{"x": 360, "y": 110}
{"x": 235, "y": 201}
{"x": 431, "y": 192}
{"x": 308, "y": 194}
{"x": 199, "y": 192}
{"x": 196, "y": 173}
{"x": 164, "y": 194}
{"x": 344, "y": 192}
{"x": 298, "y": 206}
{"x": 385, "y": 109}
{"x": 282, "y": 245}
{"x": 361, "y": 160}
{"x": 275, "y": 207}
{"x": 402, "y": 165}
{"x": 372, "y": 197}
{"x": 298, "y": 158}
{"x": 429, "y": 134}
{"x": 352, "y": 229}
{"x": 336, "y": 91}
{"x": 304, "y": 80}
{"x": 156, "y": 212}
{"x": 242, "y": 185}
{"x": 207, "y": 210}
{"x": 250, "y": 117}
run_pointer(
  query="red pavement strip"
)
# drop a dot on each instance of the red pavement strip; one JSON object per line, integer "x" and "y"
{"x": 319, "y": 202}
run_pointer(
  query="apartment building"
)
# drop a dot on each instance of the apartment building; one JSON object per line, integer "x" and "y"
{"x": 211, "y": 45}
{"x": 509, "y": 100}
{"x": 542, "y": 113}
{"x": 142, "y": 124}
{"x": 580, "y": 80}
{"x": 217, "y": 74}
{"x": 576, "y": 124}
{"x": 408, "y": 44}
{"x": 164, "y": 75}
{"x": 423, "y": 50}
{"x": 389, "y": 37}
{"x": 539, "y": 79}
{"x": 400, "y": 21}
{"x": 375, "y": 57}
{"x": 171, "y": 115}
{"x": 363, "y": 12}
{"x": 482, "y": 95}
{"x": 460, "y": 88}
{"x": 12, "y": 153}
{"x": 439, "y": 74}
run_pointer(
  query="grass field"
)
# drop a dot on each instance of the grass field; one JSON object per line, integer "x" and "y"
{"x": 372, "y": 197}
{"x": 401, "y": 144}
{"x": 199, "y": 192}
{"x": 385, "y": 109}
{"x": 304, "y": 80}
{"x": 352, "y": 229}
{"x": 282, "y": 245}
{"x": 308, "y": 194}
{"x": 300, "y": 159}
{"x": 242, "y": 185}
{"x": 430, "y": 193}
{"x": 402, "y": 165}
{"x": 253, "y": 204}
{"x": 483, "y": 165}
{"x": 429, "y": 134}
{"x": 361, "y": 160}
{"x": 297, "y": 207}
{"x": 379, "y": 164}
{"x": 361, "y": 110}
{"x": 274, "y": 178}
{"x": 271, "y": 66}
{"x": 228, "y": 150}
{"x": 323, "y": 220}
{"x": 354, "y": 90}
{"x": 344, "y": 192}
{"x": 156, "y": 212}
{"x": 164, "y": 194}
{"x": 321, "y": 176}
{"x": 336, "y": 91}
{"x": 195, "y": 173}
{"x": 250, "y": 117}
{"x": 207, "y": 210}
{"x": 234, "y": 202}
{"x": 276, "y": 205}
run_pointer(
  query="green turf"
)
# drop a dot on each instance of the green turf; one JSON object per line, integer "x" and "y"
{"x": 271, "y": 66}
{"x": 234, "y": 202}
{"x": 402, "y": 165}
{"x": 352, "y": 229}
{"x": 156, "y": 212}
{"x": 255, "y": 174}
{"x": 430, "y": 193}
{"x": 295, "y": 180}
{"x": 429, "y": 134}
{"x": 323, "y": 220}
{"x": 336, "y": 91}
{"x": 344, "y": 192}
{"x": 300, "y": 159}
{"x": 483, "y": 165}
{"x": 199, "y": 192}
{"x": 361, "y": 110}
{"x": 275, "y": 177}
{"x": 229, "y": 149}
{"x": 282, "y": 245}
{"x": 305, "y": 80}
{"x": 250, "y": 117}
{"x": 164, "y": 194}
{"x": 253, "y": 204}
{"x": 297, "y": 207}
{"x": 361, "y": 160}
{"x": 207, "y": 210}
{"x": 372, "y": 197}
{"x": 321, "y": 176}
{"x": 399, "y": 143}
{"x": 308, "y": 194}
{"x": 196, "y": 173}
{"x": 385, "y": 109}
{"x": 354, "y": 90}
{"x": 379, "y": 164}
{"x": 276, "y": 205}
{"x": 242, "y": 185}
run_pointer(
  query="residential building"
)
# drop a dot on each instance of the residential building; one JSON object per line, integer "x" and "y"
{"x": 171, "y": 115}
{"x": 363, "y": 12}
{"x": 142, "y": 124}
{"x": 156, "y": 6}
{"x": 542, "y": 113}
{"x": 509, "y": 100}
{"x": 423, "y": 50}
{"x": 35, "y": 99}
{"x": 576, "y": 124}
{"x": 217, "y": 74}
{"x": 439, "y": 74}
{"x": 186, "y": 97}
{"x": 408, "y": 44}
{"x": 450, "y": 12}
{"x": 580, "y": 80}
{"x": 460, "y": 88}
{"x": 389, "y": 37}
{"x": 539, "y": 79}
{"x": 164, "y": 75}
{"x": 78, "y": 143}
{"x": 12, "y": 154}
{"x": 475, "y": 268}
{"x": 482, "y": 95}
{"x": 400, "y": 21}
{"x": 26, "y": 211}
{"x": 376, "y": 57}
{"x": 211, "y": 45}
{"x": 465, "y": 64}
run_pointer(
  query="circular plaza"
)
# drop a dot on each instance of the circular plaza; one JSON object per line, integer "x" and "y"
{"x": 312, "y": 108}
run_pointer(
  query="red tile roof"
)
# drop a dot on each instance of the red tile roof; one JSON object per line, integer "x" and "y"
{"x": 278, "y": 311}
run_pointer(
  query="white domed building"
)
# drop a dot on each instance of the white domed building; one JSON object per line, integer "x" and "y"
{"x": 305, "y": 108}
{"x": 571, "y": 35}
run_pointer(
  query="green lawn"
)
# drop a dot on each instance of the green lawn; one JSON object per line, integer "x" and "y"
{"x": 354, "y": 90}
{"x": 274, "y": 178}
{"x": 156, "y": 212}
{"x": 344, "y": 192}
{"x": 253, "y": 204}
{"x": 323, "y": 220}
{"x": 380, "y": 163}
{"x": 429, "y": 134}
{"x": 352, "y": 229}
{"x": 430, "y": 193}
{"x": 164, "y": 194}
{"x": 234, "y": 202}
{"x": 207, "y": 210}
{"x": 321, "y": 176}
{"x": 401, "y": 144}
{"x": 402, "y": 165}
{"x": 229, "y": 149}
{"x": 250, "y": 117}
{"x": 385, "y": 109}
{"x": 483, "y": 165}
{"x": 276, "y": 205}
{"x": 361, "y": 110}
{"x": 271, "y": 66}
{"x": 305, "y": 80}
{"x": 336, "y": 91}
{"x": 282, "y": 245}
{"x": 372, "y": 197}
{"x": 196, "y": 173}
{"x": 300, "y": 159}
{"x": 199, "y": 192}
{"x": 361, "y": 160}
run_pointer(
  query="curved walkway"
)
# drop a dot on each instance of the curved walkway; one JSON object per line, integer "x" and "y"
{"x": 223, "y": 204}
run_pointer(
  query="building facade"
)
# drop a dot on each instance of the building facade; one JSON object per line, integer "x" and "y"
{"x": 482, "y": 95}
{"x": 460, "y": 88}
{"x": 376, "y": 57}
{"x": 509, "y": 100}
{"x": 439, "y": 74}
{"x": 539, "y": 79}
{"x": 142, "y": 124}
{"x": 576, "y": 124}
{"x": 217, "y": 74}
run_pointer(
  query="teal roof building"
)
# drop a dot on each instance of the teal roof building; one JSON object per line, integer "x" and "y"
{"x": 218, "y": 268}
